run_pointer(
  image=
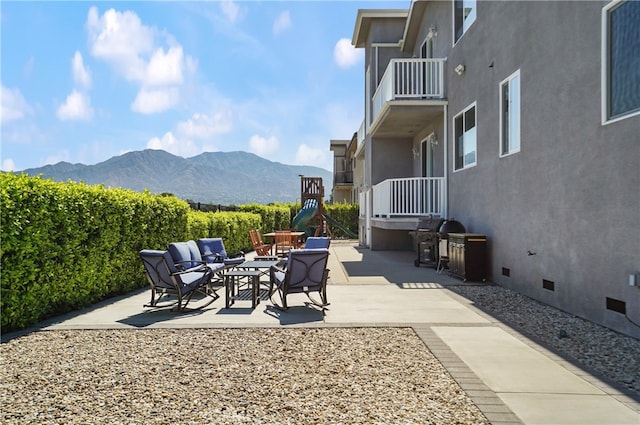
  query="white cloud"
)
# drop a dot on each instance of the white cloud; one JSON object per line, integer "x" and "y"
{"x": 231, "y": 10}
{"x": 136, "y": 53}
{"x": 345, "y": 54}
{"x": 81, "y": 76}
{"x": 76, "y": 107}
{"x": 120, "y": 39}
{"x": 306, "y": 155}
{"x": 171, "y": 144}
{"x": 262, "y": 146}
{"x": 8, "y": 164}
{"x": 282, "y": 22}
{"x": 202, "y": 126}
{"x": 165, "y": 68}
{"x": 14, "y": 106}
{"x": 153, "y": 101}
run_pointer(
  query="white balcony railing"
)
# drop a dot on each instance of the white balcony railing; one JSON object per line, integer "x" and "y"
{"x": 415, "y": 196}
{"x": 409, "y": 79}
{"x": 361, "y": 134}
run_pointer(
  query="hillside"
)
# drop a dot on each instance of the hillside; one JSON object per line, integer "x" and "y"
{"x": 227, "y": 178}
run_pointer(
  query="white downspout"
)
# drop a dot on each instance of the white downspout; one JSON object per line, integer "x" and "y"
{"x": 446, "y": 162}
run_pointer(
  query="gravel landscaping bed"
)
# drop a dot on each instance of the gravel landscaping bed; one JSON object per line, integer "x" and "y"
{"x": 614, "y": 355}
{"x": 230, "y": 376}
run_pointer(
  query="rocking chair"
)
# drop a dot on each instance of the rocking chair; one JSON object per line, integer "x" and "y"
{"x": 306, "y": 272}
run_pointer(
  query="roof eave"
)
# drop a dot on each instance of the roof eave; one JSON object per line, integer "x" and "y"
{"x": 364, "y": 19}
{"x": 412, "y": 26}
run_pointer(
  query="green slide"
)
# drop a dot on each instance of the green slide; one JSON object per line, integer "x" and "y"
{"x": 306, "y": 213}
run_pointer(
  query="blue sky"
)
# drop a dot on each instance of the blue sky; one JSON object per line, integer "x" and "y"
{"x": 85, "y": 81}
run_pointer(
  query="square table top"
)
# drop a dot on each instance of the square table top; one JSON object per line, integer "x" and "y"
{"x": 243, "y": 273}
{"x": 259, "y": 264}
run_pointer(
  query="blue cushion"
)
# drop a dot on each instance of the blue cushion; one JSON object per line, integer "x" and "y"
{"x": 212, "y": 249}
{"x": 185, "y": 254}
{"x": 314, "y": 242}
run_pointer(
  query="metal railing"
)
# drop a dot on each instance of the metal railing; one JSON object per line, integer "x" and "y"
{"x": 409, "y": 79}
{"x": 415, "y": 196}
{"x": 343, "y": 177}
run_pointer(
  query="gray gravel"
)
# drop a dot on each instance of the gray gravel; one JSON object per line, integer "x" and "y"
{"x": 610, "y": 353}
{"x": 230, "y": 376}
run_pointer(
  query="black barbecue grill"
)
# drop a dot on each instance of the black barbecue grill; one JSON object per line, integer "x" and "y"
{"x": 426, "y": 239}
{"x": 448, "y": 226}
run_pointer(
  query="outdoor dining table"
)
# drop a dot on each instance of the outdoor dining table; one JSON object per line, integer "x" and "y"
{"x": 272, "y": 237}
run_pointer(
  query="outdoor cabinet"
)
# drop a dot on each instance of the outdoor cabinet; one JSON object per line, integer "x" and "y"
{"x": 467, "y": 256}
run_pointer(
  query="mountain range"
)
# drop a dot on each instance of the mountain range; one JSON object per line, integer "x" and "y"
{"x": 226, "y": 178}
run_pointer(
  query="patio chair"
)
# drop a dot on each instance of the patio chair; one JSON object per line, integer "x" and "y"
{"x": 213, "y": 251}
{"x": 306, "y": 272}
{"x": 314, "y": 242}
{"x": 284, "y": 242}
{"x": 187, "y": 255}
{"x": 259, "y": 246}
{"x": 165, "y": 279}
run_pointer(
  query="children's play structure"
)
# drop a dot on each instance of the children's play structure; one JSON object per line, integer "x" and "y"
{"x": 311, "y": 217}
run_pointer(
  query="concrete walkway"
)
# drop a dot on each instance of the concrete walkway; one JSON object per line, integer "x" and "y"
{"x": 512, "y": 379}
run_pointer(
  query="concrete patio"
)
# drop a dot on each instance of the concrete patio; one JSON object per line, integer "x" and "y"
{"x": 511, "y": 378}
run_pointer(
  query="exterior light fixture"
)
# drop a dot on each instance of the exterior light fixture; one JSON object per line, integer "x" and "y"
{"x": 459, "y": 69}
{"x": 432, "y": 139}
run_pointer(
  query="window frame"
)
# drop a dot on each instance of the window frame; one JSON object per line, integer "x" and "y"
{"x": 507, "y": 81}
{"x": 605, "y": 66}
{"x": 469, "y": 24}
{"x": 455, "y": 138}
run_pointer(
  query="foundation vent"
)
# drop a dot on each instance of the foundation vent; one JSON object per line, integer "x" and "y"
{"x": 549, "y": 284}
{"x": 506, "y": 272}
{"x": 616, "y": 305}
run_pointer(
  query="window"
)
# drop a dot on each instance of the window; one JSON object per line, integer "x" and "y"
{"x": 621, "y": 60}
{"x": 510, "y": 114}
{"x": 464, "y": 127}
{"x": 464, "y": 14}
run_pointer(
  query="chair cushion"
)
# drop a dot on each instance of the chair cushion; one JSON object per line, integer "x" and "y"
{"x": 306, "y": 269}
{"x": 314, "y": 242}
{"x": 168, "y": 258}
{"x": 185, "y": 254}
{"x": 279, "y": 276}
{"x": 157, "y": 267}
{"x": 191, "y": 280}
{"x": 212, "y": 249}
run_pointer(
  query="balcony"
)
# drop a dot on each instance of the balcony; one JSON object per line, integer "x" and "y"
{"x": 343, "y": 178}
{"x": 411, "y": 92}
{"x": 410, "y": 197}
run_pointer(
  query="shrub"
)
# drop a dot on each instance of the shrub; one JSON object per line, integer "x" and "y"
{"x": 232, "y": 227}
{"x": 69, "y": 245}
{"x": 273, "y": 217}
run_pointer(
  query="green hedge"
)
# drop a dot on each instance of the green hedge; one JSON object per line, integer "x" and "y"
{"x": 345, "y": 214}
{"x": 273, "y": 217}
{"x": 68, "y": 245}
{"x": 232, "y": 227}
